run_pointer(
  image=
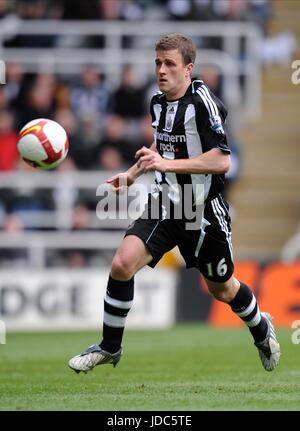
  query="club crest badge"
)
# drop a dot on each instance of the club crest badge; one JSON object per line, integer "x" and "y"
{"x": 216, "y": 124}
{"x": 170, "y": 119}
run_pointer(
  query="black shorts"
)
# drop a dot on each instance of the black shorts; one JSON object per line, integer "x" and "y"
{"x": 209, "y": 248}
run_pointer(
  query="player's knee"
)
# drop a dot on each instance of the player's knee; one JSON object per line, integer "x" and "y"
{"x": 121, "y": 269}
{"x": 223, "y": 292}
{"x": 223, "y": 295}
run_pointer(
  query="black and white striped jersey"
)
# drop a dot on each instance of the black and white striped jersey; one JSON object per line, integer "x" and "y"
{"x": 186, "y": 128}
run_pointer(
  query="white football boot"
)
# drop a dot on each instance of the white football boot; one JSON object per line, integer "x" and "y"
{"x": 269, "y": 348}
{"x": 93, "y": 356}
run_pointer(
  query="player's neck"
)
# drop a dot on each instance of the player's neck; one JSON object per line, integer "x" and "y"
{"x": 171, "y": 97}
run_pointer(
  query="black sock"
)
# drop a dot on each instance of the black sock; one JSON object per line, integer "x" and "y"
{"x": 117, "y": 303}
{"x": 245, "y": 306}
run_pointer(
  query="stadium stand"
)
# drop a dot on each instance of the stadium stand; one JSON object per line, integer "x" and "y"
{"x": 266, "y": 198}
{"x": 78, "y": 73}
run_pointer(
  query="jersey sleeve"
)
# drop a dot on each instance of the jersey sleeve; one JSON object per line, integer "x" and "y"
{"x": 155, "y": 105}
{"x": 152, "y": 112}
{"x": 210, "y": 118}
{"x": 153, "y": 117}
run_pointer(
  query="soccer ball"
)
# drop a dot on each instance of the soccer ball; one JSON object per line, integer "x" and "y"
{"x": 43, "y": 143}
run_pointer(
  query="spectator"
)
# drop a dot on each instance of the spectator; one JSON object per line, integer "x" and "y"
{"x": 115, "y": 135}
{"x": 147, "y": 131}
{"x": 4, "y": 8}
{"x": 56, "y": 9}
{"x": 14, "y": 80}
{"x": 80, "y": 218}
{"x": 4, "y": 101}
{"x": 8, "y": 142}
{"x": 110, "y": 158}
{"x": 80, "y": 10}
{"x": 9, "y": 21}
{"x": 180, "y": 10}
{"x": 232, "y": 10}
{"x": 12, "y": 224}
{"x": 91, "y": 96}
{"x": 128, "y": 100}
{"x": 27, "y": 204}
{"x": 260, "y": 12}
{"x": 80, "y": 222}
{"x": 46, "y": 79}
{"x": 74, "y": 258}
{"x": 210, "y": 74}
{"x": 89, "y": 134}
{"x": 132, "y": 10}
{"x": 40, "y": 104}
{"x": 32, "y": 10}
{"x": 110, "y": 9}
{"x": 78, "y": 150}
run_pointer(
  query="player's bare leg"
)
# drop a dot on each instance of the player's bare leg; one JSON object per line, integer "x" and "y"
{"x": 131, "y": 256}
{"x": 243, "y": 302}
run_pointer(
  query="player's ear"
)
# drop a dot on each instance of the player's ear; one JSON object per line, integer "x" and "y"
{"x": 189, "y": 69}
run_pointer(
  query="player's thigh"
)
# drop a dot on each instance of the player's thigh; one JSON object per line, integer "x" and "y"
{"x": 131, "y": 255}
{"x": 158, "y": 236}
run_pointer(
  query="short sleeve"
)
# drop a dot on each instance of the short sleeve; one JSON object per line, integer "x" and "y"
{"x": 155, "y": 108}
{"x": 152, "y": 111}
{"x": 210, "y": 118}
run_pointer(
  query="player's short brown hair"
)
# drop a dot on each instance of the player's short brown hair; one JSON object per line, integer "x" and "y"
{"x": 184, "y": 44}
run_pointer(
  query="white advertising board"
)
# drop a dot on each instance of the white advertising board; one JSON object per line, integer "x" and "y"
{"x": 55, "y": 299}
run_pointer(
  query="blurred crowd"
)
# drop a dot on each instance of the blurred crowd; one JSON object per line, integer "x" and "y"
{"x": 105, "y": 124}
{"x": 137, "y": 10}
{"x": 105, "y": 127}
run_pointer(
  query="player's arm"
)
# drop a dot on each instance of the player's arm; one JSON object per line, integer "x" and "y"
{"x": 214, "y": 161}
{"x": 138, "y": 169}
{"x": 126, "y": 179}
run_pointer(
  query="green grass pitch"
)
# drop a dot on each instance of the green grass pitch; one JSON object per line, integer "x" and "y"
{"x": 188, "y": 367}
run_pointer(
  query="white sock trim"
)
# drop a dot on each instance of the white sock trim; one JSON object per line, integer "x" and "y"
{"x": 114, "y": 321}
{"x": 117, "y": 303}
{"x": 256, "y": 319}
{"x": 249, "y": 309}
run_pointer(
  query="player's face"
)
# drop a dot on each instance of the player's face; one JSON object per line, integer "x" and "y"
{"x": 173, "y": 76}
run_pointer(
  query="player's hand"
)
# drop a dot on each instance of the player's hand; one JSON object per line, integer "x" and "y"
{"x": 150, "y": 160}
{"x": 120, "y": 182}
